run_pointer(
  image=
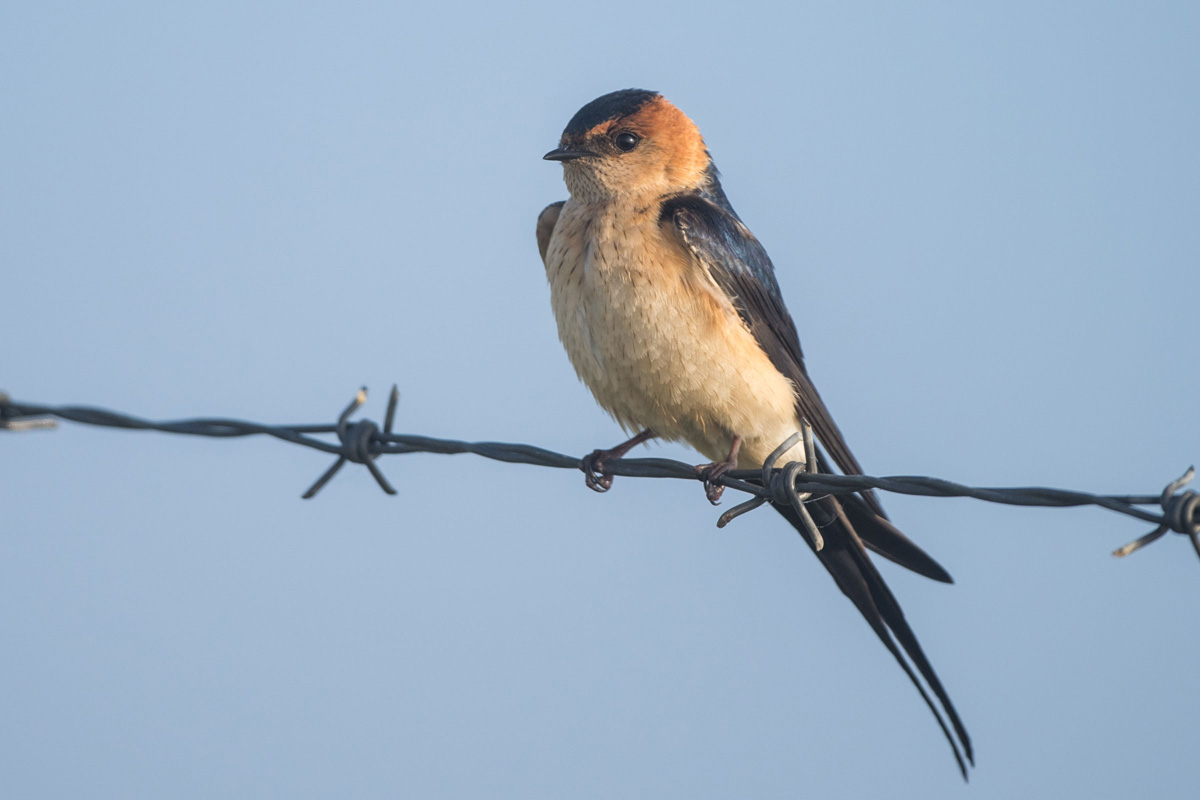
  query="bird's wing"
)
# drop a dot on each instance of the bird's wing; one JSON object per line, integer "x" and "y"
{"x": 741, "y": 267}
{"x": 545, "y": 226}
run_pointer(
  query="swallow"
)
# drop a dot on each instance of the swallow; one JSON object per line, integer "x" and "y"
{"x": 670, "y": 313}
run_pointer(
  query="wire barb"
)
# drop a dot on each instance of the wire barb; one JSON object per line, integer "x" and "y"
{"x": 1181, "y": 514}
{"x": 10, "y": 420}
{"x": 793, "y": 484}
{"x": 360, "y": 442}
{"x": 781, "y": 484}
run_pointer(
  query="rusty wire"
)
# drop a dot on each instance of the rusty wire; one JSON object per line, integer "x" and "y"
{"x": 362, "y": 441}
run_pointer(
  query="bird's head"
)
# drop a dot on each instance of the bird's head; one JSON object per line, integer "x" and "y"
{"x": 631, "y": 143}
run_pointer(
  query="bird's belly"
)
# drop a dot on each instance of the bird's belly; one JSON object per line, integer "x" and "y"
{"x": 659, "y": 350}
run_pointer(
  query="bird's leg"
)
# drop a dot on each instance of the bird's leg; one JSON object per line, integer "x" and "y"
{"x": 597, "y": 479}
{"x": 718, "y": 469}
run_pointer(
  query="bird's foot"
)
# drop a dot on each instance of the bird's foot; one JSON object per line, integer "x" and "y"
{"x": 597, "y": 478}
{"x": 718, "y": 469}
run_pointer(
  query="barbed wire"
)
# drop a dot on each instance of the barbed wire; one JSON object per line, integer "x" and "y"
{"x": 362, "y": 442}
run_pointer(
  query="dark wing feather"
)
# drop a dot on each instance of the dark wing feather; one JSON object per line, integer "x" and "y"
{"x": 545, "y": 226}
{"x": 741, "y": 268}
{"x": 708, "y": 227}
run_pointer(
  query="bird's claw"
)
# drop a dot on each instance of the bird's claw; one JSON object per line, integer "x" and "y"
{"x": 594, "y": 474}
{"x": 711, "y": 473}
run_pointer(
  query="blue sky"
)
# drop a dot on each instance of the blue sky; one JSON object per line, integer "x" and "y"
{"x": 984, "y": 219}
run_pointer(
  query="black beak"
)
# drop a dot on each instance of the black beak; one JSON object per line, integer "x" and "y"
{"x": 566, "y": 155}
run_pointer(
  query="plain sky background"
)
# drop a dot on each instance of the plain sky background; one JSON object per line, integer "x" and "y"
{"x": 985, "y": 219}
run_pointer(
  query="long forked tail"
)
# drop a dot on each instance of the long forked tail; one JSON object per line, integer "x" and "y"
{"x": 847, "y": 561}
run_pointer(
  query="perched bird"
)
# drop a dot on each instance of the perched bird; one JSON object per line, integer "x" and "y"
{"x": 669, "y": 310}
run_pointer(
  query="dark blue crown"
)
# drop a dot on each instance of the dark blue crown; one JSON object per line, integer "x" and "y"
{"x": 610, "y": 106}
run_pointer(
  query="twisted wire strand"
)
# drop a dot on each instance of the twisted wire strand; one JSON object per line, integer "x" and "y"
{"x": 362, "y": 442}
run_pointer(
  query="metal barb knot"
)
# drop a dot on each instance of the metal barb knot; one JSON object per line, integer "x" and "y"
{"x": 781, "y": 484}
{"x": 356, "y": 439}
{"x": 1181, "y": 514}
{"x": 359, "y": 442}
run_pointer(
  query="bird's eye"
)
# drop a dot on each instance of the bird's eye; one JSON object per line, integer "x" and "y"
{"x": 626, "y": 141}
